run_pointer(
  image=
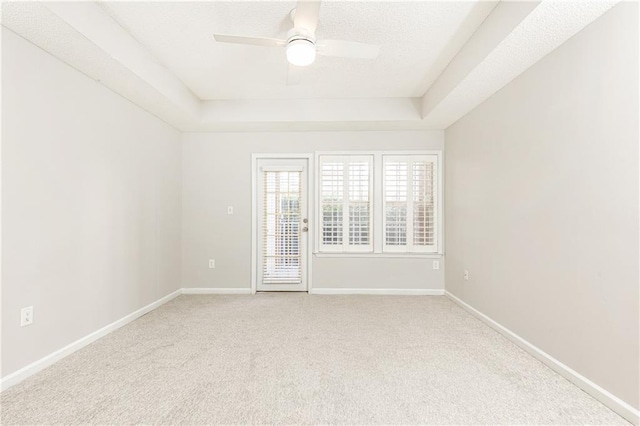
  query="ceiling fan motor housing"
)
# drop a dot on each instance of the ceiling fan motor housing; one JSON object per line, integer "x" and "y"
{"x": 296, "y": 34}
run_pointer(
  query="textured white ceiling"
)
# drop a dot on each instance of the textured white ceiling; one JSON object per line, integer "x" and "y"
{"x": 546, "y": 27}
{"x": 162, "y": 56}
{"x": 414, "y": 36}
{"x": 37, "y": 23}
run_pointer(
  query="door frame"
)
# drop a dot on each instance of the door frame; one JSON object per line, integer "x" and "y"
{"x": 254, "y": 212}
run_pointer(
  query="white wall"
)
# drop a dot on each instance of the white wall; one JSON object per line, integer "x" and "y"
{"x": 91, "y": 204}
{"x": 542, "y": 204}
{"x": 217, "y": 173}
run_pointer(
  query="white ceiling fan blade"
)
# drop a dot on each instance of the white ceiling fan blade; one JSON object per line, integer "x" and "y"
{"x": 306, "y": 16}
{"x": 348, "y": 49}
{"x": 294, "y": 75}
{"x": 254, "y": 41}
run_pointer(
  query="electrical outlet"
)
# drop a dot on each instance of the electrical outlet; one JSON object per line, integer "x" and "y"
{"x": 230, "y": 210}
{"x": 466, "y": 275}
{"x": 436, "y": 264}
{"x": 212, "y": 263}
{"x": 26, "y": 316}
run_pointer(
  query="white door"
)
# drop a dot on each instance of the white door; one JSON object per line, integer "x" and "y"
{"x": 282, "y": 224}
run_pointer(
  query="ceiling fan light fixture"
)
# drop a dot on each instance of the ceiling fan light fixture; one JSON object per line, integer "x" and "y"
{"x": 301, "y": 52}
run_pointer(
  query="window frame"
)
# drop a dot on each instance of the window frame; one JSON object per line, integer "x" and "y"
{"x": 345, "y": 247}
{"x": 377, "y": 206}
{"x": 410, "y": 247}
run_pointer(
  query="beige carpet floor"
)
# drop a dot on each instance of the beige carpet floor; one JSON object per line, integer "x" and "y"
{"x": 301, "y": 359}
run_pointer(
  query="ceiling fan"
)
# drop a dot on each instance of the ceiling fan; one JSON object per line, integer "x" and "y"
{"x": 301, "y": 43}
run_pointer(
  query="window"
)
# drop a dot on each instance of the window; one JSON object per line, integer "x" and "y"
{"x": 345, "y": 187}
{"x": 281, "y": 211}
{"x": 383, "y": 202}
{"x": 409, "y": 203}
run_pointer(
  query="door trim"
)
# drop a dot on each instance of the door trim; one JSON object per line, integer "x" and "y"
{"x": 254, "y": 212}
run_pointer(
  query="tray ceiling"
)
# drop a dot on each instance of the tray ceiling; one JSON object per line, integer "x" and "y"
{"x": 438, "y": 60}
{"x": 413, "y": 36}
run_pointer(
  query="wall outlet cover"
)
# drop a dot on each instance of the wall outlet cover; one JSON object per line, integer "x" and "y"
{"x": 26, "y": 316}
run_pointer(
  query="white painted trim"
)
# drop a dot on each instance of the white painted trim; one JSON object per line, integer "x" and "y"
{"x": 378, "y": 202}
{"x": 217, "y": 290}
{"x": 440, "y": 200}
{"x": 254, "y": 211}
{"x": 31, "y": 369}
{"x": 381, "y": 291}
{"x": 39, "y": 365}
{"x": 381, "y": 255}
{"x": 311, "y": 215}
{"x": 602, "y": 395}
{"x": 254, "y": 223}
{"x": 381, "y": 152}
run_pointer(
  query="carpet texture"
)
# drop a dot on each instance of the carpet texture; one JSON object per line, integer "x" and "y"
{"x": 298, "y": 359}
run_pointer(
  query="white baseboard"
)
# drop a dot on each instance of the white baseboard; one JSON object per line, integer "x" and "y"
{"x": 216, "y": 291}
{"x": 602, "y": 395}
{"x": 31, "y": 369}
{"x": 379, "y": 291}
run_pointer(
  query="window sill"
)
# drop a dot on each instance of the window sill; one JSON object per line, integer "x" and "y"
{"x": 381, "y": 255}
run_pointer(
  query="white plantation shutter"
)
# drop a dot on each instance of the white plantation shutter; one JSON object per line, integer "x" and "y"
{"x": 359, "y": 203}
{"x": 395, "y": 201}
{"x": 410, "y": 203}
{"x": 345, "y": 203}
{"x": 281, "y": 260}
{"x": 424, "y": 203}
{"x": 332, "y": 203}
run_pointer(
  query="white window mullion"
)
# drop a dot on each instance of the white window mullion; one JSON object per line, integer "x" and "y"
{"x": 409, "y": 246}
{"x": 379, "y": 221}
{"x": 379, "y": 202}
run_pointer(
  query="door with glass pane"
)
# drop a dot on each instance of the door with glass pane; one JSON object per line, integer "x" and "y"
{"x": 282, "y": 224}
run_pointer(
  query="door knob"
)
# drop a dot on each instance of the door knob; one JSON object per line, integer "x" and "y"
{"x": 305, "y": 229}
{"x": 305, "y": 220}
